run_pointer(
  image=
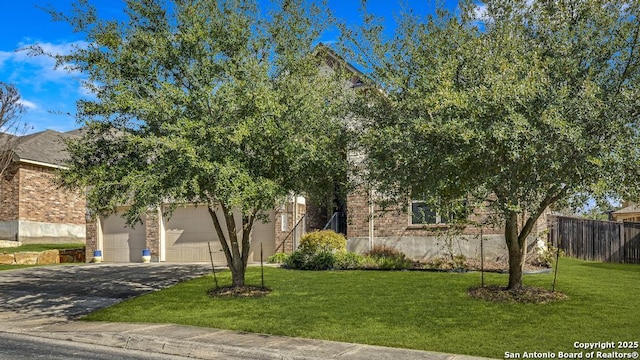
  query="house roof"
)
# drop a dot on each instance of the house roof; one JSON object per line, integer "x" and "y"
{"x": 5, "y": 139}
{"x": 45, "y": 147}
{"x": 358, "y": 76}
{"x": 631, "y": 209}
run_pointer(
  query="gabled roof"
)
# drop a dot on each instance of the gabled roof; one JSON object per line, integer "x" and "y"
{"x": 45, "y": 147}
{"x": 334, "y": 59}
{"x": 631, "y": 209}
{"x": 5, "y": 139}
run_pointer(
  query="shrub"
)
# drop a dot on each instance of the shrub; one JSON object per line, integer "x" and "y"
{"x": 382, "y": 251}
{"x": 348, "y": 260}
{"x": 388, "y": 258}
{"x": 322, "y": 260}
{"x": 296, "y": 260}
{"x": 547, "y": 256}
{"x": 301, "y": 260}
{"x": 277, "y": 258}
{"x": 325, "y": 240}
{"x": 459, "y": 262}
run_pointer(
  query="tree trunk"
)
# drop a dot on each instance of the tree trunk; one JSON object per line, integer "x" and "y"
{"x": 516, "y": 251}
{"x": 237, "y": 273}
{"x": 237, "y": 263}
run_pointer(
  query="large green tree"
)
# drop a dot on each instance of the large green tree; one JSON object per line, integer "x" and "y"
{"x": 520, "y": 103}
{"x": 215, "y": 102}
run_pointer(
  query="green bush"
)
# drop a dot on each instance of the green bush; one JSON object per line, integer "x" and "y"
{"x": 322, "y": 260}
{"x": 297, "y": 260}
{"x": 277, "y": 258}
{"x": 348, "y": 260}
{"x": 547, "y": 256}
{"x": 388, "y": 258}
{"x": 301, "y": 260}
{"x": 324, "y": 240}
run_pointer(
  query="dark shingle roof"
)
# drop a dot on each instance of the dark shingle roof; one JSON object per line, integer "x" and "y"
{"x": 46, "y": 147}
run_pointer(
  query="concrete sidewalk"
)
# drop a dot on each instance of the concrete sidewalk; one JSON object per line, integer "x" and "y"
{"x": 205, "y": 343}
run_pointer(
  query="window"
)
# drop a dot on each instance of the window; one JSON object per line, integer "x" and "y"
{"x": 422, "y": 214}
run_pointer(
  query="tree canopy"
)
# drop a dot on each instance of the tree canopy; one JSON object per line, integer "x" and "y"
{"x": 522, "y": 103}
{"x": 11, "y": 124}
{"x": 221, "y": 103}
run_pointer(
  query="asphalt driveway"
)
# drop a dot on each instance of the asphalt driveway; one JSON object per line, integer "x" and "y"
{"x": 72, "y": 291}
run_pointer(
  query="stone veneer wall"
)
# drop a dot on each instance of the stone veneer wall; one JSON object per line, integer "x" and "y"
{"x": 152, "y": 234}
{"x": 91, "y": 239}
{"x": 43, "y": 258}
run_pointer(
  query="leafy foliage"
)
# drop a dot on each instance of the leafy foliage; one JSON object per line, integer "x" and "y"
{"x": 345, "y": 260}
{"x": 518, "y": 104}
{"x": 388, "y": 258}
{"x": 304, "y": 260}
{"x": 277, "y": 258}
{"x": 217, "y": 102}
{"x": 323, "y": 240}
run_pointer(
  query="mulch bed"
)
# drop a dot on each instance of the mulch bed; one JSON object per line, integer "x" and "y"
{"x": 523, "y": 295}
{"x": 239, "y": 291}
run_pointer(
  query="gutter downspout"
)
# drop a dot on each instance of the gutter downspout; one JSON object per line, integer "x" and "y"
{"x": 371, "y": 224}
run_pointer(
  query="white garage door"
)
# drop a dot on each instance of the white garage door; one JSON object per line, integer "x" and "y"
{"x": 190, "y": 228}
{"x": 187, "y": 234}
{"x": 120, "y": 242}
{"x": 265, "y": 234}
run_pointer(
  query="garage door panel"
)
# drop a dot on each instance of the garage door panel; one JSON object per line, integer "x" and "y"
{"x": 189, "y": 229}
{"x": 187, "y": 234}
{"x": 122, "y": 243}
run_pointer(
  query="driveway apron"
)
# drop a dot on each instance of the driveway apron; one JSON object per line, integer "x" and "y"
{"x": 69, "y": 292}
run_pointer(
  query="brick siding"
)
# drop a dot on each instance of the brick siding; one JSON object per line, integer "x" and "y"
{"x": 9, "y": 185}
{"x": 396, "y": 223}
{"x": 42, "y": 201}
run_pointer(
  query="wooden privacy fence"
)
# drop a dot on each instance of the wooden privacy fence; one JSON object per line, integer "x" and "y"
{"x": 596, "y": 240}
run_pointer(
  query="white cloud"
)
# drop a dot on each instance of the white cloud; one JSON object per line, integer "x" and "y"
{"x": 28, "y": 104}
{"x": 21, "y": 65}
{"x": 480, "y": 12}
{"x": 45, "y": 90}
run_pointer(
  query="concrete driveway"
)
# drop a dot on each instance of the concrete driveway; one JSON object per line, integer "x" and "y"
{"x": 68, "y": 292}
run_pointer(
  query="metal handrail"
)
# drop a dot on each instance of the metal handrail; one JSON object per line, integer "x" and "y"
{"x": 335, "y": 224}
{"x": 289, "y": 234}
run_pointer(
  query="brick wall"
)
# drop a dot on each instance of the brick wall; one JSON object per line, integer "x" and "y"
{"x": 9, "y": 194}
{"x": 317, "y": 216}
{"x": 286, "y": 235}
{"x": 358, "y": 214}
{"x": 40, "y": 200}
{"x": 396, "y": 223}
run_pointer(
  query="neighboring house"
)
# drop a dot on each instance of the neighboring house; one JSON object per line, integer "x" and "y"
{"x": 630, "y": 212}
{"x": 32, "y": 208}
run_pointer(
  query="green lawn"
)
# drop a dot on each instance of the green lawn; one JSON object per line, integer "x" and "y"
{"x": 419, "y": 310}
{"x": 40, "y": 247}
{"x": 13, "y": 267}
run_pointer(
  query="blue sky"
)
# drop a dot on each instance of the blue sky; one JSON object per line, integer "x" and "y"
{"x": 50, "y": 95}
